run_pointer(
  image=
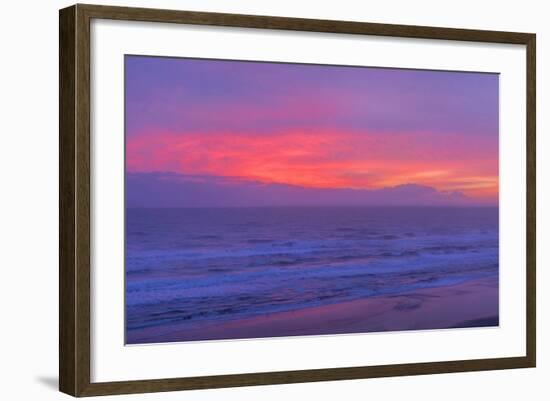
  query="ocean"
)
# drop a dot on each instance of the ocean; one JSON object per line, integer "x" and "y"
{"x": 187, "y": 267}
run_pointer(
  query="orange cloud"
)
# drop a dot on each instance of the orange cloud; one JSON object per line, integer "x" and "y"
{"x": 327, "y": 159}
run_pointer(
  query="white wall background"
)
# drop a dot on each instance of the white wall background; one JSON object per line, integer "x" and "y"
{"x": 28, "y": 210}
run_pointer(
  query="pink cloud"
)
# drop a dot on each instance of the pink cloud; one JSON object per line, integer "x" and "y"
{"x": 326, "y": 159}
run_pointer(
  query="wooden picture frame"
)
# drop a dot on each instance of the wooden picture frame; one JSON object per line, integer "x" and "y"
{"x": 74, "y": 200}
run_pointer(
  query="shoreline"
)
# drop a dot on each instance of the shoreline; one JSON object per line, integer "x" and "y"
{"x": 473, "y": 303}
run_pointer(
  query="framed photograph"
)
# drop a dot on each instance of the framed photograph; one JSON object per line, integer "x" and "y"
{"x": 250, "y": 200}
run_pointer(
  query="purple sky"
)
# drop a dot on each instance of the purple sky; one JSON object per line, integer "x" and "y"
{"x": 311, "y": 126}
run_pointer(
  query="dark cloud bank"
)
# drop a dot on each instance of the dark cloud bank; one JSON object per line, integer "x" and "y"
{"x": 176, "y": 190}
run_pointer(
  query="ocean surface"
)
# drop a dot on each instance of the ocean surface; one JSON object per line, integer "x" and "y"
{"x": 185, "y": 267}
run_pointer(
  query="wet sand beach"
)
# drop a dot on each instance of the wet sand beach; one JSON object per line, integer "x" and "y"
{"x": 470, "y": 304}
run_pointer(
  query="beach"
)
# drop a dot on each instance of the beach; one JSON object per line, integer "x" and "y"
{"x": 201, "y": 274}
{"x": 470, "y": 304}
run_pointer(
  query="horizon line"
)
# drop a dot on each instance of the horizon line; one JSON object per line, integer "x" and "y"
{"x": 313, "y": 206}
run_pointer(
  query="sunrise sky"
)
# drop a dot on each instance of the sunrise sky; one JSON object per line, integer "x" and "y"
{"x": 316, "y": 127}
